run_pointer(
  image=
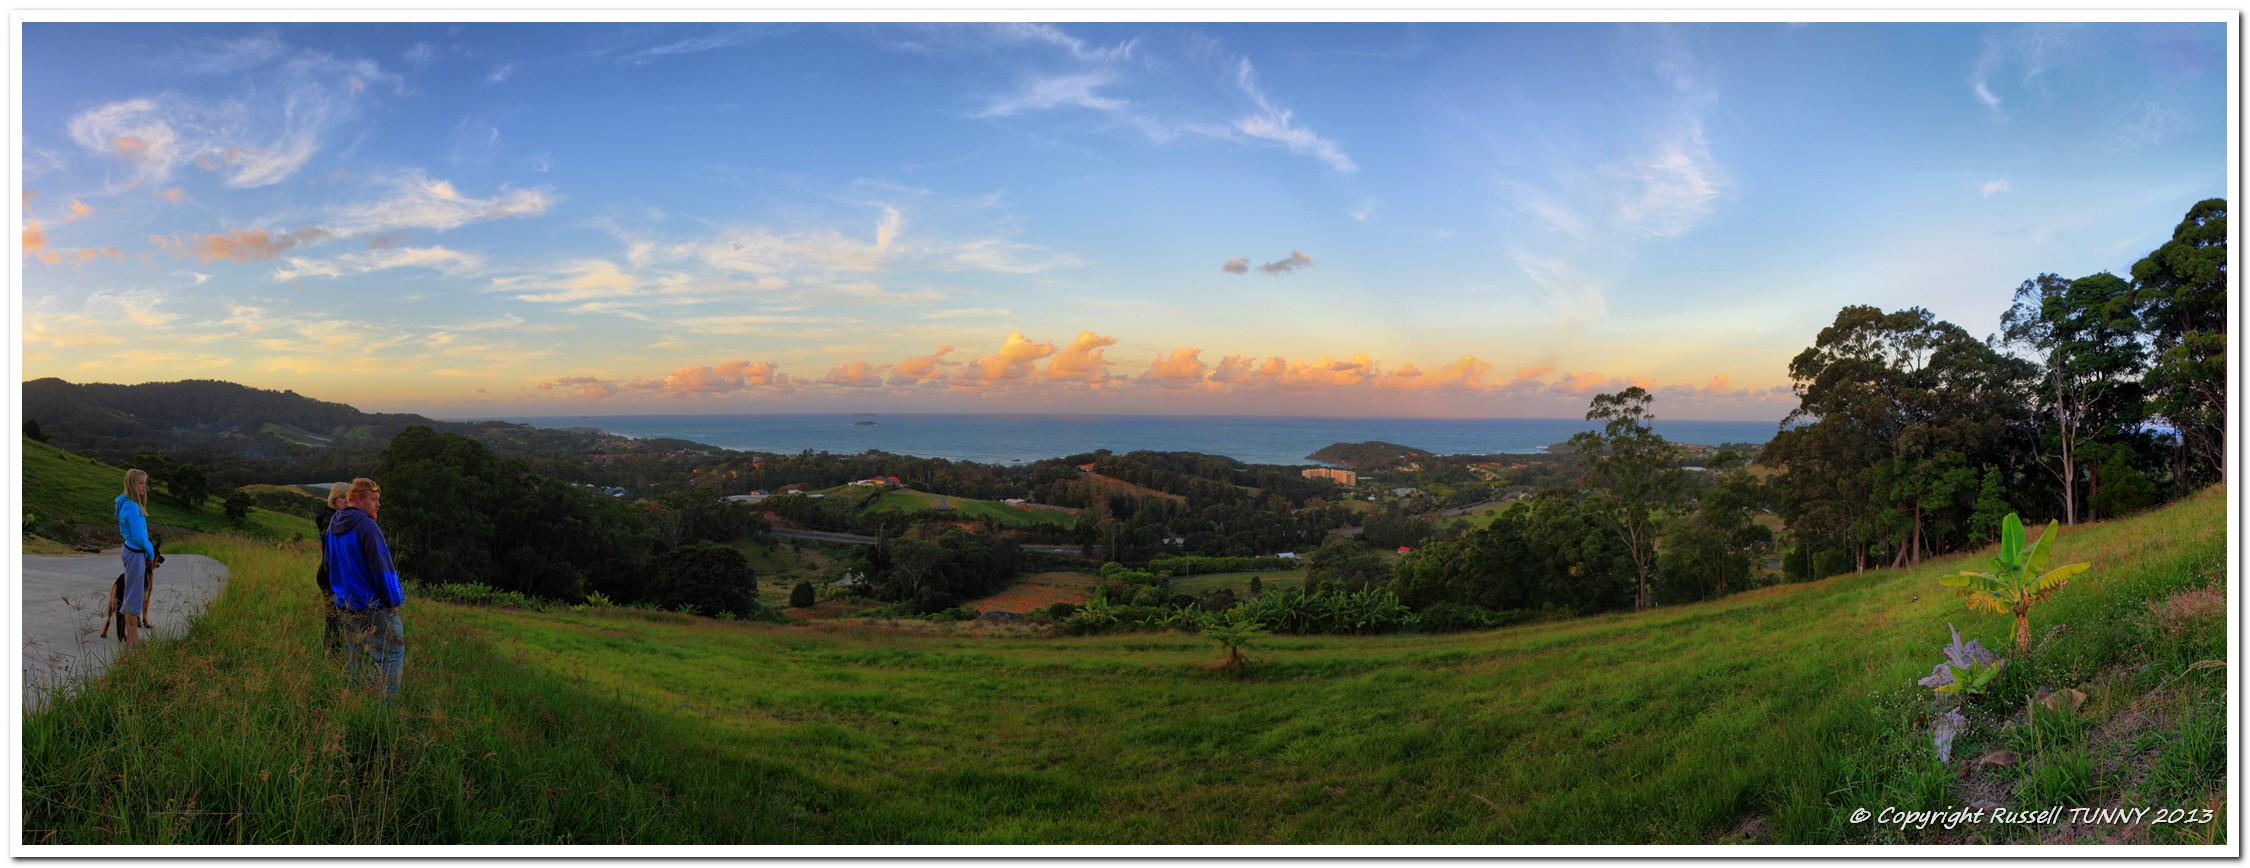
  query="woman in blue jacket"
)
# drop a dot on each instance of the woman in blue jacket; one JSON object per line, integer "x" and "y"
{"x": 365, "y": 586}
{"x": 132, "y": 524}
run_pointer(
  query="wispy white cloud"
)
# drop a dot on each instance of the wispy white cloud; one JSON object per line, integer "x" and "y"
{"x": 294, "y": 102}
{"x": 960, "y": 313}
{"x": 227, "y": 57}
{"x": 418, "y": 201}
{"x": 1048, "y": 34}
{"x": 1274, "y": 123}
{"x": 1669, "y": 191}
{"x": 1994, "y": 187}
{"x": 500, "y": 73}
{"x": 711, "y": 37}
{"x": 450, "y": 262}
{"x": 2021, "y": 54}
{"x": 1590, "y": 210}
{"x": 1077, "y": 89}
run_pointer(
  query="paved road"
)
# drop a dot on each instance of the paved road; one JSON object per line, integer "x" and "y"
{"x": 63, "y": 598}
{"x": 856, "y": 539}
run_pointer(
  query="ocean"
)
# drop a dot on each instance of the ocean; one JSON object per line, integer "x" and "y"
{"x": 1013, "y": 439}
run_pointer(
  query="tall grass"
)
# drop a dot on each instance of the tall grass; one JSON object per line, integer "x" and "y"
{"x": 1770, "y": 716}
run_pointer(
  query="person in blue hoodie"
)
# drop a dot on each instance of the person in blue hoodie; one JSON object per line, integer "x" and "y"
{"x": 132, "y": 524}
{"x": 365, "y": 587}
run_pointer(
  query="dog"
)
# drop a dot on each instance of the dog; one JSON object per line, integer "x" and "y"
{"x": 148, "y": 586}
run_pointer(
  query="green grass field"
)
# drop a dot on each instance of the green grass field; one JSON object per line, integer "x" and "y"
{"x": 1769, "y": 716}
{"x": 1238, "y": 582}
{"x": 1484, "y": 518}
{"x": 911, "y": 502}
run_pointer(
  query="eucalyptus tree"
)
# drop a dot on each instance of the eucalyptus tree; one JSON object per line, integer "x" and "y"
{"x": 1891, "y": 408}
{"x": 1635, "y": 472}
{"x": 2181, "y": 290}
{"x": 2084, "y": 336}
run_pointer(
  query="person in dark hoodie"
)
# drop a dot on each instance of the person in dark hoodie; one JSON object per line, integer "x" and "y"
{"x": 365, "y": 586}
{"x": 331, "y": 618}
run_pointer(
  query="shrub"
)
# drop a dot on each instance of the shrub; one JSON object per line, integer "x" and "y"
{"x": 237, "y": 507}
{"x": 189, "y": 485}
{"x": 704, "y": 576}
{"x": 801, "y": 596}
{"x": 932, "y": 600}
{"x": 1448, "y": 617}
{"x": 1189, "y": 565}
{"x": 1061, "y": 611}
{"x": 1218, "y": 601}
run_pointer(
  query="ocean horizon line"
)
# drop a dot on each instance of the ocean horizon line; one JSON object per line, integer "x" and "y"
{"x": 526, "y": 417}
{"x": 1008, "y": 438}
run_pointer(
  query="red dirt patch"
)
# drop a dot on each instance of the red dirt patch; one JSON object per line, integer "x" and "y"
{"x": 1032, "y": 594}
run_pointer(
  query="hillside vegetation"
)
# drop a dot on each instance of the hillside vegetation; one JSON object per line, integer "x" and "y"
{"x": 68, "y": 499}
{"x": 1768, "y": 716}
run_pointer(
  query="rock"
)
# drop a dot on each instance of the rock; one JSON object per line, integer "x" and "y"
{"x": 1948, "y": 726}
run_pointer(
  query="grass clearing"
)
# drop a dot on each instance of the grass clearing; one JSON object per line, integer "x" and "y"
{"x": 914, "y": 502}
{"x": 1770, "y": 715}
{"x": 1272, "y": 580}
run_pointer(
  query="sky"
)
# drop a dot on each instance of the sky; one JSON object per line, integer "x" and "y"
{"x": 1493, "y": 220}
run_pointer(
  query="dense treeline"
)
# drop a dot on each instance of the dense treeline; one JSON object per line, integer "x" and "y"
{"x": 1912, "y": 438}
{"x": 2098, "y": 396}
{"x": 938, "y": 571}
{"x": 457, "y": 513}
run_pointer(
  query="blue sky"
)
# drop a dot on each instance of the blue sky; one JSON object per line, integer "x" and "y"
{"x": 1496, "y": 219}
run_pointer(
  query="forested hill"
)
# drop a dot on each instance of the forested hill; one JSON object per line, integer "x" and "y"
{"x": 1369, "y": 455}
{"x": 105, "y": 417}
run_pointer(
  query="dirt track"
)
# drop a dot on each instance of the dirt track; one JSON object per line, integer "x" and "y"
{"x": 63, "y": 598}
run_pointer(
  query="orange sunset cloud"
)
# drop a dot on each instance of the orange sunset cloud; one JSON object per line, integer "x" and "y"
{"x": 241, "y": 244}
{"x": 920, "y": 368}
{"x": 1081, "y": 361}
{"x": 1014, "y": 361}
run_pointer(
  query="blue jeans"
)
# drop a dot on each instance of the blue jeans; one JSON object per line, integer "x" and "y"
{"x": 378, "y": 647}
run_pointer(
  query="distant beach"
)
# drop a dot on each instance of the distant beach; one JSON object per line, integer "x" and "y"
{"x": 1013, "y": 439}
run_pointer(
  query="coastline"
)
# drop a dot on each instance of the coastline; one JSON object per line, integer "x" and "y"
{"x": 1018, "y": 439}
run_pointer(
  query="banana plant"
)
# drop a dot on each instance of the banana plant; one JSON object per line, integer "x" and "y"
{"x": 2019, "y": 578}
{"x": 1971, "y": 681}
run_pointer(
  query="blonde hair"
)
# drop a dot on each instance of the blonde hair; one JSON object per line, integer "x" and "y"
{"x": 360, "y": 489}
{"x": 336, "y": 494}
{"x": 132, "y": 476}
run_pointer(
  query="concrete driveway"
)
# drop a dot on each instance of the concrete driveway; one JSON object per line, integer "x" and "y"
{"x": 63, "y": 598}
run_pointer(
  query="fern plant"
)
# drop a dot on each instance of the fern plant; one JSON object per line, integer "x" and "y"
{"x": 1234, "y": 631}
{"x": 2019, "y": 578}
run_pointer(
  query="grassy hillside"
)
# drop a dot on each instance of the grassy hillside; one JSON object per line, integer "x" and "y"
{"x": 912, "y": 502}
{"x": 71, "y": 497}
{"x": 1767, "y": 717}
